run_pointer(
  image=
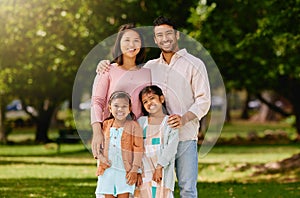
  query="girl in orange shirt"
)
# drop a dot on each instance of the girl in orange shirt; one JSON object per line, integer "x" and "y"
{"x": 123, "y": 150}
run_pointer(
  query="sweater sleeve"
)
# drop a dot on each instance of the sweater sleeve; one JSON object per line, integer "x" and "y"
{"x": 138, "y": 147}
{"x": 169, "y": 149}
{"x": 99, "y": 96}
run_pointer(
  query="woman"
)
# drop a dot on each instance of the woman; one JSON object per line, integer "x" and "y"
{"x": 125, "y": 75}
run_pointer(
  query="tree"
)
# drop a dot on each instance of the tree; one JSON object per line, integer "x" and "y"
{"x": 44, "y": 43}
{"x": 42, "y": 48}
{"x": 256, "y": 45}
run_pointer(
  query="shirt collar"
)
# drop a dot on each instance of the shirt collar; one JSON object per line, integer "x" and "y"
{"x": 177, "y": 55}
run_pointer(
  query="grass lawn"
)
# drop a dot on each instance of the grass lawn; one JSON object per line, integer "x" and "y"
{"x": 243, "y": 128}
{"x": 39, "y": 171}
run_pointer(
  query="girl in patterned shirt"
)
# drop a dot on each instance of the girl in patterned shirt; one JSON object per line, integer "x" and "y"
{"x": 160, "y": 146}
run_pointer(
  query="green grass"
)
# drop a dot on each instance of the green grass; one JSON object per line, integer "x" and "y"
{"x": 242, "y": 128}
{"x": 39, "y": 171}
{"x": 221, "y": 163}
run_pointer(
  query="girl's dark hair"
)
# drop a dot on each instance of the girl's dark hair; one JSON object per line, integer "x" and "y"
{"x": 154, "y": 90}
{"x": 121, "y": 94}
{"x": 161, "y": 20}
{"x": 117, "y": 53}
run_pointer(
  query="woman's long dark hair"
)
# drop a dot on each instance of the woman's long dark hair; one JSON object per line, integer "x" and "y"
{"x": 117, "y": 53}
{"x": 154, "y": 90}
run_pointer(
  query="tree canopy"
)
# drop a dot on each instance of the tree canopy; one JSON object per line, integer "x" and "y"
{"x": 254, "y": 43}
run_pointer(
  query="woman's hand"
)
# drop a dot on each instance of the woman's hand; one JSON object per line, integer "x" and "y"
{"x": 103, "y": 66}
{"x": 97, "y": 142}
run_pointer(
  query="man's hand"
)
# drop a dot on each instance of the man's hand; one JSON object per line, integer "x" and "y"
{"x": 131, "y": 178}
{"x": 157, "y": 175}
{"x": 103, "y": 66}
{"x": 175, "y": 121}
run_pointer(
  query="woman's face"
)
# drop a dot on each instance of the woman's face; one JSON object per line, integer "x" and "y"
{"x": 130, "y": 43}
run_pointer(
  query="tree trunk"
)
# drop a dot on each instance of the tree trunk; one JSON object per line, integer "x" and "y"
{"x": 290, "y": 89}
{"x": 3, "y": 132}
{"x": 43, "y": 123}
{"x": 245, "y": 111}
{"x": 265, "y": 113}
{"x": 297, "y": 122}
{"x": 228, "y": 114}
{"x": 3, "y": 137}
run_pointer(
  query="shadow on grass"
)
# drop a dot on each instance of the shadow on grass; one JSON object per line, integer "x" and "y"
{"x": 23, "y": 162}
{"x": 70, "y": 187}
{"x": 35, "y": 152}
{"x": 264, "y": 189}
{"x": 36, "y": 187}
{"x": 250, "y": 148}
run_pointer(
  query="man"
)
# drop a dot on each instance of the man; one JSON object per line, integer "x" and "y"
{"x": 184, "y": 81}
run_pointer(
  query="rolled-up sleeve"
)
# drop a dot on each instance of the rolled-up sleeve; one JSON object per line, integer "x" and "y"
{"x": 201, "y": 88}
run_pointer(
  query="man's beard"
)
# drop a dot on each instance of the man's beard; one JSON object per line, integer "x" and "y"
{"x": 170, "y": 49}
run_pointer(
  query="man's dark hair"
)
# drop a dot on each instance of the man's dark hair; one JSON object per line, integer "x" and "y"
{"x": 161, "y": 20}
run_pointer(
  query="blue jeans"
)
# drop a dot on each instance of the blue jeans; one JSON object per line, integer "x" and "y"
{"x": 186, "y": 164}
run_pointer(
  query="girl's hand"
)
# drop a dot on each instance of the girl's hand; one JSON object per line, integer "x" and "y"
{"x": 139, "y": 181}
{"x": 157, "y": 175}
{"x": 104, "y": 161}
{"x": 103, "y": 66}
{"x": 104, "y": 164}
{"x": 131, "y": 178}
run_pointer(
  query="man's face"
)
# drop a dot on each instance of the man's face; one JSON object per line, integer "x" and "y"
{"x": 166, "y": 38}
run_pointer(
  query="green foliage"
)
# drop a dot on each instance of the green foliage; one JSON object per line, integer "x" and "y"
{"x": 43, "y": 43}
{"x": 42, "y": 50}
{"x": 251, "y": 41}
{"x": 255, "y": 44}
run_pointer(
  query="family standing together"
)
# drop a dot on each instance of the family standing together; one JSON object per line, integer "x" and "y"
{"x": 145, "y": 120}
